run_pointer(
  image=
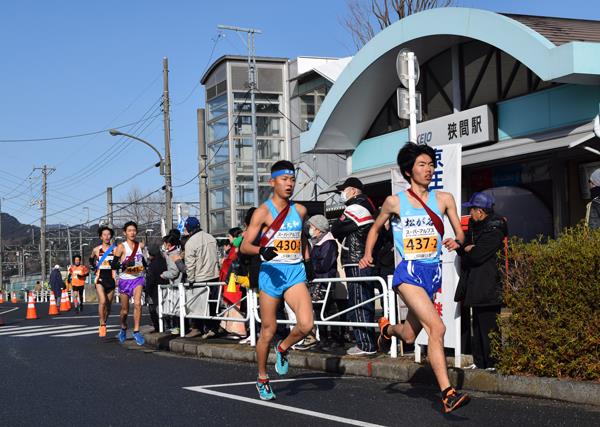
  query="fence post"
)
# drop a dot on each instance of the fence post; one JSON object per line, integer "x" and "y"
{"x": 250, "y": 307}
{"x": 392, "y": 316}
{"x": 181, "y": 310}
{"x": 161, "y": 324}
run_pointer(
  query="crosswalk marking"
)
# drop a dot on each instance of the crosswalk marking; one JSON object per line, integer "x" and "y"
{"x": 94, "y": 331}
{"x": 38, "y": 328}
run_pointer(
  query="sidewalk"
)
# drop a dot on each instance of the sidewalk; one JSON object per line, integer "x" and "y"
{"x": 402, "y": 370}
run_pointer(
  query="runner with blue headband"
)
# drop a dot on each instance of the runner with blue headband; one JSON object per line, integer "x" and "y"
{"x": 101, "y": 261}
{"x": 283, "y": 274}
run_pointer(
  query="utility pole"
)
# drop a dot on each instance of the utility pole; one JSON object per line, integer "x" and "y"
{"x": 1, "y": 263}
{"x": 109, "y": 206}
{"x": 167, "y": 126}
{"x": 45, "y": 172}
{"x": 80, "y": 245}
{"x": 69, "y": 243}
{"x": 252, "y": 85}
{"x": 202, "y": 157}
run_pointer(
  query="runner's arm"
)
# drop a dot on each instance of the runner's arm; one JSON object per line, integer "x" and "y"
{"x": 256, "y": 223}
{"x": 302, "y": 211}
{"x": 452, "y": 214}
{"x": 390, "y": 207}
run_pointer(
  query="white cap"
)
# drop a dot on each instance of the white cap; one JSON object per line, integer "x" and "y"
{"x": 57, "y": 267}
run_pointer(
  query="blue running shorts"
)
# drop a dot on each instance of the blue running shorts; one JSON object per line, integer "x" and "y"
{"x": 425, "y": 275}
{"x": 274, "y": 279}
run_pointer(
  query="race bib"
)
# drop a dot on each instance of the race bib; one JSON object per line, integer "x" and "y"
{"x": 288, "y": 245}
{"x": 420, "y": 238}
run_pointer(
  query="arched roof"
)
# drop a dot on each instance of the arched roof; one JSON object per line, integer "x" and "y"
{"x": 367, "y": 82}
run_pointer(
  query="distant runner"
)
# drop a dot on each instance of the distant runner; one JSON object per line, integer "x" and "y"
{"x": 77, "y": 275}
{"x": 131, "y": 280}
{"x": 102, "y": 261}
{"x": 282, "y": 273}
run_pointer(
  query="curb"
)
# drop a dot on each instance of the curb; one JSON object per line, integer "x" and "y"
{"x": 398, "y": 370}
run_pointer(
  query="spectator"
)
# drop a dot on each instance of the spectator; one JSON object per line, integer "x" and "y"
{"x": 592, "y": 217}
{"x": 480, "y": 285}
{"x": 236, "y": 330}
{"x": 157, "y": 264}
{"x": 351, "y": 231}
{"x": 202, "y": 263}
{"x": 323, "y": 255}
{"x": 56, "y": 283}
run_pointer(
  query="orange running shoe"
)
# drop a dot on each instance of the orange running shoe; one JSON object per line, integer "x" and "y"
{"x": 383, "y": 341}
{"x": 102, "y": 331}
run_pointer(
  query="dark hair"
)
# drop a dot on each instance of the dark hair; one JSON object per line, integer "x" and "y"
{"x": 282, "y": 165}
{"x": 172, "y": 239}
{"x": 248, "y": 216}
{"x": 488, "y": 211}
{"x": 174, "y": 232}
{"x": 104, "y": 227}
{"x": 76, "y": 256}
{"x": 129, "y": 224}
{"x": 235, "y": 232}
{"x": 153, "y": 251}
{"x": 409, "y": 153}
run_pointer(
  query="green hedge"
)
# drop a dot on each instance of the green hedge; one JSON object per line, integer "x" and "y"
{"x": 552, "y": 293}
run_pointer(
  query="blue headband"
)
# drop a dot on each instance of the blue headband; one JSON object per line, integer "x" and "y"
{"x": 282, "y": 172}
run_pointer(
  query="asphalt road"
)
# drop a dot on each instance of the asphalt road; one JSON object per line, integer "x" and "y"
{"x": 78, "y": 379}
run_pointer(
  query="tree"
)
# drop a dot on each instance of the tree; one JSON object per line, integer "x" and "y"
{"x": 145, "y": 211}
{"x": 366, "y": 17}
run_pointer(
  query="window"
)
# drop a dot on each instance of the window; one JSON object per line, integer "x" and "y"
{"x": 216, "y": 107}
{"x": 220, "y": 198}
{"x": 219, "y": 221}
{"x": 218, "y": 174}
{"x": 217, "y": 130}
{"x": 267, "y": 149}
{"x": 218, "y": 152}
{"x": 265, "y": 126}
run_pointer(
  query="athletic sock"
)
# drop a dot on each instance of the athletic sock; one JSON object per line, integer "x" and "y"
{"x": 135, "y": 332}
{"x": 279, "y": 349}
{"x": 446, "y": 391}
{"x": 263, "y": 380}
{"x": 385, "y": 331}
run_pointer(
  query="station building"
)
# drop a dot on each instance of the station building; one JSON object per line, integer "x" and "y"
{"x": 520, "y": 94}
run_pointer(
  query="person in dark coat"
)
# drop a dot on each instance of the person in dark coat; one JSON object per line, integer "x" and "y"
{"x": 156, "y": 267}
{"x": 56, "y": 283}
{"x": 480, "y": 284}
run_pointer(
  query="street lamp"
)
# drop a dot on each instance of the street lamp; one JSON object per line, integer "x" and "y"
{"x": 166, "y": 173}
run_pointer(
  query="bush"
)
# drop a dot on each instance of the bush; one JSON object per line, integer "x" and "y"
{"x": 552, "y": 292}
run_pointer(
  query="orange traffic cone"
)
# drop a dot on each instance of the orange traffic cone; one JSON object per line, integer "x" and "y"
{"x": 14, "y": 298}
{"x": 65, "y": 304}
{"x": 53, "y": 311}
{"x": 31, "y": 313}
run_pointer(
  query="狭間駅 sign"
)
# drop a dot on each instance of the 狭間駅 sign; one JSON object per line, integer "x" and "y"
{"x": 469, "y": 127}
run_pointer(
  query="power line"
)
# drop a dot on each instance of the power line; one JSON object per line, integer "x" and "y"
{"x": 56, "y": 138}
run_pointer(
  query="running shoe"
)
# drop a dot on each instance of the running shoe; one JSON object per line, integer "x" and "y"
{"x": 281, "y": 364}
{"x": 357, "y": 351}
{"x": 102, "y": 331}
{"x": 122, "y": 335}
{"x": 264, "y": 390}
{"x": 308, "y": 343}
{"x": 383, "y": 341}
{"x": 139, "y": 338}
{"x": 454, "y": 400}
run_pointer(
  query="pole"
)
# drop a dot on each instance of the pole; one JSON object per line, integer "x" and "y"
{"x": 80, "y": 244}
{"x": 69, "y": 244}
{"x": 45, "y": 171}
{"x": 412, "y": 97}
{"x": 202, "y": 158}
{"x": 109, "y": 206}
{"x": 252, "y": 82}
{"x": 167, "y": 126}
{"x": 1, "y": 264}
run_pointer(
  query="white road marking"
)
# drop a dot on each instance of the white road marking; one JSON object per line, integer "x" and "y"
{"x": 89, "y": 317}
{"x": 51, "y": 331}
{"x": 32, "y": 328}
{"x": 85, "y": 332}
{"x": 37, "y": 330}
{"x": 287, "y": 380}
{"x": 207, "y": 390}
{"x": 8, "y": 311}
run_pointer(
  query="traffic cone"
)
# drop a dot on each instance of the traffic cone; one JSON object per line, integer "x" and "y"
{"x": 65, "y": 304}
{"x": 14, "y": 298}
{"x": 31, "y": 313}
{"x": 53, "y": 311}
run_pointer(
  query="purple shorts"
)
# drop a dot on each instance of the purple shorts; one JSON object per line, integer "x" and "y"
{"x": 127, "y": 286}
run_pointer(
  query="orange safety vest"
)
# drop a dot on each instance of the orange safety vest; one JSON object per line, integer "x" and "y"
{"x": 78, "y": 274}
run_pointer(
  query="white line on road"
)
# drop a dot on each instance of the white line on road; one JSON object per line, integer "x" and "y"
{"x": 31, "y": 328}
{"x": 88, "y": 317}
{"x": 8, "y": 311}
{"x": 37, "y": 330}
{"x": 284, "y": 407}
{"x": 94, "y": 331}
{"x": 51, "y": 331}
{"x": 287, "y": 380}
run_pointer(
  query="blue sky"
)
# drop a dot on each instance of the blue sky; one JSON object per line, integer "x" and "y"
{"x": 71, "y": 67}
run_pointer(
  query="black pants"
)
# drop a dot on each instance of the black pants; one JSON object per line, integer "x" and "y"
{"x": 79, "y": 290}
{"x": 484, "y": 322}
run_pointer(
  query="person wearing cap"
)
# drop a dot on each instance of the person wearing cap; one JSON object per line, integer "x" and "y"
{"x": 56, "y": 282}
{"x": 480, "y": 284}
{"x": 592, "y": 216}
{"x": 202, "y": 264}
{"x": 323, "y": 255}
{"x": 351, "y": 230}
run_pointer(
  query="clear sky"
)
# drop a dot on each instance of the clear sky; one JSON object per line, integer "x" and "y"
{"x": 71, "y": 67}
